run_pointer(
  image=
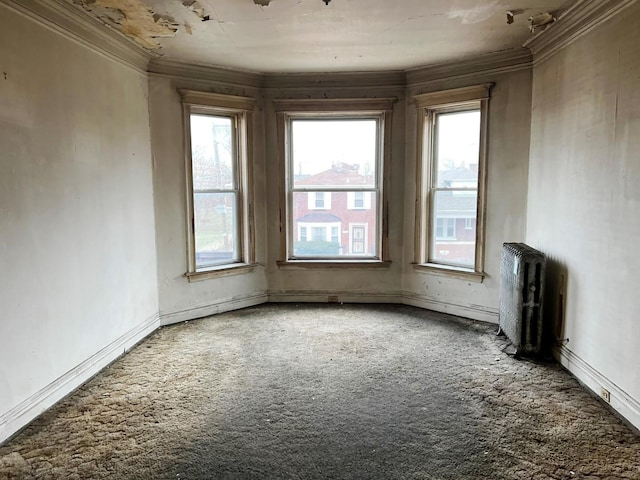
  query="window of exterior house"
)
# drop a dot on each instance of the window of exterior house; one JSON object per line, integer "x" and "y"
{"x": 333, "y": 162}
{"x": 445, "y": 228}
{"x": 334, "y": 234}
{"x": 217, "y": 164}
{"x": 358, "y": 200}
{"x": 451, "y": 179}
{"x": 319, "y": 200}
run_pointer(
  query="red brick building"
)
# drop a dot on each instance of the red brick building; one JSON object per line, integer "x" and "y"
{"x": 335, "y": 223}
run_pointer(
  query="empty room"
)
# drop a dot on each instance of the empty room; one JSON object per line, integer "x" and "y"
{"x": 266, "y": 238}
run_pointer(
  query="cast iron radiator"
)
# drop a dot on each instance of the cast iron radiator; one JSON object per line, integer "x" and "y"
{"x": 521, "y": 295}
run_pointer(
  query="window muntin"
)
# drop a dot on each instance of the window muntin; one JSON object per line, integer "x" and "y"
{"x": 452, "y": 178}
{"x": 335, "y": 164}
{"x": 218, "y": 170}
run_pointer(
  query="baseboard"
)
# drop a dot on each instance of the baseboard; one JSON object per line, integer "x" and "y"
{"x": 474, "y": 312}
{"x": 620, "y": 401}
{"x": 19, "y": 416}
{"x": 333, "y": 296}
{"x": 199, "y": 311}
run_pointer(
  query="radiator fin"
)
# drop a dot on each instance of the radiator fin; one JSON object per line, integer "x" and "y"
{"x": 521, "y": 296}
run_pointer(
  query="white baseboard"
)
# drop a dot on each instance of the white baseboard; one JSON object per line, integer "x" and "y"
{"x": 199, "y": 311}
{"x": 23, "y": 413}
{"x": 322, "y": 296}
{"x": 474, "y": 312}
{"x": 627, "y": 406}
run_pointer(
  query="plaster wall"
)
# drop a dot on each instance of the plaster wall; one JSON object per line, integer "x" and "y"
{"x": 509, "y": 122}
{"x": 584, "y": 199}
{"x": 179, "y": 299}
{"x": 77, "y": 242}
{"x": 287, "y": 283}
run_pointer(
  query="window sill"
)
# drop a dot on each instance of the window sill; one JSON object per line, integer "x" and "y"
{"x": 221, "y": 271}
{"x": 333, "y": 264}
{"x": 448, "y": 271}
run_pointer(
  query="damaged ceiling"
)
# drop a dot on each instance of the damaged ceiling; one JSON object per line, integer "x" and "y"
{"x": 314, "y": 35}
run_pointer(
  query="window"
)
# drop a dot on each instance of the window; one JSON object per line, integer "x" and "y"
{"x": 319, "y": 200}
{"x": 333, "y": 163}
{"x": 451, "y": 178}
{"x": 334, "y": 235}
{"x": 445, "y": 228}
{"x": 216, "y": 132}
{"x": 358, "y": 200}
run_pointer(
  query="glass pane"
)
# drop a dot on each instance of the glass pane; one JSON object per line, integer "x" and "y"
{"x": 336, "y": 229}
{"x": 453, "y": 228}
{"x": 457, "y": 149}
{"x": 334, "y": 152}
{"x": 212, "y": 152}
{"x": 216, "y": 229}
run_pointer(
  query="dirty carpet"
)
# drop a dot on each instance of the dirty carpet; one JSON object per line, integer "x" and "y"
{"x": 326, "y": 392}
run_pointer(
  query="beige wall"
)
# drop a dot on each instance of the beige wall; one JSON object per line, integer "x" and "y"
{"x": 507, "y": 163}
{"x": 349, "y": 285}
{"x": 509, "y": 121}
{"x": 584, "y": 202}
{"x": 179, "y": 299}
{"x": 77, "y": 244}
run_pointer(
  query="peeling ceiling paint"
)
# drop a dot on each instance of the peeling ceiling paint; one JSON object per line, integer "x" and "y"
{"x": 134, "y": 19}
{"x": 309, "y": 36}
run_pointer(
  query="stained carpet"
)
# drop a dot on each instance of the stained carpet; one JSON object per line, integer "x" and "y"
{"x": 326, "y": 392}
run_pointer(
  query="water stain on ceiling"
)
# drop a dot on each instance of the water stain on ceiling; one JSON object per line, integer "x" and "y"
{"x": 134, "y": 19}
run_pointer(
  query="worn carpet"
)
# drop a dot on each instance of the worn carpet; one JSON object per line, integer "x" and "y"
{"x": 322, "y": 392}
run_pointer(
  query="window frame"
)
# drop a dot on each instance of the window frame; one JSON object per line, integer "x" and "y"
{"x": 380, "y": 109}
{"x": 240, "y": 110}
{"x": 429, "y": 105}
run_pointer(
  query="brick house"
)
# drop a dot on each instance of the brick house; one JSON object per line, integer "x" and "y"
{"x": 455, "y": 215}
{"x": 335, "y": 223}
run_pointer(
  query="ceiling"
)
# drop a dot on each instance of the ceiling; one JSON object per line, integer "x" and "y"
{"x": 309, "y": 36}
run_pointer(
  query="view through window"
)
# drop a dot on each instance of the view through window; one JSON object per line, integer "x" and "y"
{"x": 215, "y": 189}
{"x": 454, "y": 187}
{"x": 334, "y": 187}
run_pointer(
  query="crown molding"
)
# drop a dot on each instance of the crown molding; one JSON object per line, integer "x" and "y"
{"x": 73, "y": 23}
{"x": 578, "y": 20}
{"x": 235, "y": 102}
{"x": 342, "y": 80}
{"x": 490, "y": 63}
{"x": 205, "y": 73}
{"x": 456, "y": 95}
{"x": 334, "y": 104}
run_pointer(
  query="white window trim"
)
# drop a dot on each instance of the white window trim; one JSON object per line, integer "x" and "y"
{"x": 351, "y": 200}
{"x": 311, "y": 201}
{"x": 241, "y": 109}
{"x": 286, "y": 110}
{"x": 428, "y": 104}
{"x": 327, "y": 225}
